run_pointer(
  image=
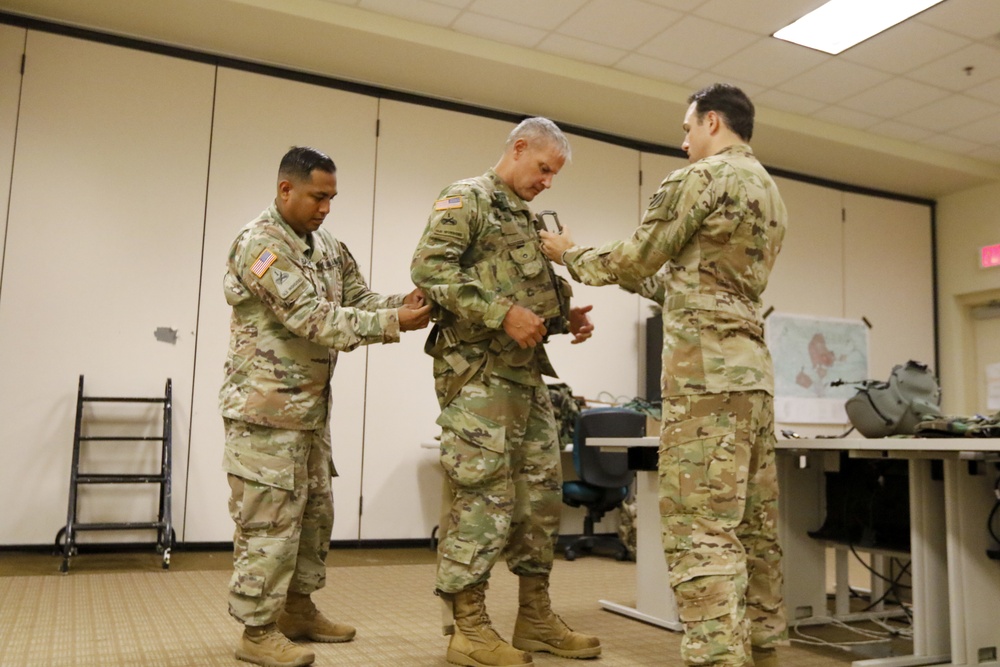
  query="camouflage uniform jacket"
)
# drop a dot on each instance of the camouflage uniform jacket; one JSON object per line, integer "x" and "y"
{"x": 296, "y": 303}
{"x": 716, "y": 227}
{"x": 480, "y": 237}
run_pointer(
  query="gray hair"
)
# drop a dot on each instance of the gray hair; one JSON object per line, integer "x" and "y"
{"x": 540, "y": 129}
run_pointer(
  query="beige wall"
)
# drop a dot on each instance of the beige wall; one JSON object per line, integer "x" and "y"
{"x": 965, "y": 222}
{"x": 161, "y": 160}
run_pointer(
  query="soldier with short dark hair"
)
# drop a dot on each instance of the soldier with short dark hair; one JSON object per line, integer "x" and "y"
{"x": 480, "y": 262}
{"x": 298, "y": 298}
{"x": 715, "y": 228}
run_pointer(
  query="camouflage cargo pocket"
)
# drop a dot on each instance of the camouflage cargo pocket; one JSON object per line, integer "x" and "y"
{"x": 259, "y": 467}
{"x": 705, "y": 598}
{"x": 472, "y": 447}
{"x": 250, "y": 585}
{"x": 699, "y": 468}
{"x": 459, "y": 550}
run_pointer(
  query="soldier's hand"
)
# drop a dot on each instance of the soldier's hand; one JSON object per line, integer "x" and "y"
{"x": 554, "y": 245}
{"x": 416, "y": 298}
{"x": 412, "y": 318}
{"x": 580, "y": 325}
{"x": 526, "y": 328}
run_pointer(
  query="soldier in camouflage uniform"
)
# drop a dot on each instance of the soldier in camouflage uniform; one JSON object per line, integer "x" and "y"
{"x": 716, "y": 226}
{"x": 479, "y": 260}
{"x": 298, "y": 299}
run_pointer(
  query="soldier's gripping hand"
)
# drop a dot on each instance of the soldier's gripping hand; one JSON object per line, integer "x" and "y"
{"x": 580, "y": 325}
{"x": 416, "y": 298}
{"x": 413, "y": 317}
{"x": 526, "y": 328}
{"x": 554, "y": 245}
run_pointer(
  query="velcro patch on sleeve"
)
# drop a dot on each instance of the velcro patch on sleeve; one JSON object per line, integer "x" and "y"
{"x": 284, "y": 282}
{"x": 443, "y": 233}
{"x": 448, "y": 203}
{"x": 263, "y": 263}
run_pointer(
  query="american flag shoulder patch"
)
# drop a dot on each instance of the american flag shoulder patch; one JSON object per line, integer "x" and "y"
{"x": 263, "y": 263}
{"x": 448, "y": 202}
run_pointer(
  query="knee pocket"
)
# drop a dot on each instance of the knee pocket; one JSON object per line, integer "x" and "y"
{"x": 473, "y": 447}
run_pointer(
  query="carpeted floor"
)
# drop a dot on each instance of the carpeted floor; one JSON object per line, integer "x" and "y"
{"x": 124, "y": 609}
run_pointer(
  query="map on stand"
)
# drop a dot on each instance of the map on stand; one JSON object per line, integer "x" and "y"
{"x": 809, "y": 354}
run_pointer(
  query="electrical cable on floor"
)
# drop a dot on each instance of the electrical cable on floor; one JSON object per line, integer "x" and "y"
{"x": 874, "y": 636}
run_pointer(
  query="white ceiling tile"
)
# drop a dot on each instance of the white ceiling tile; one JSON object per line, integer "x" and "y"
{"x": 765, "y": 18}
{"x": 578, "y": 49}
{"x": 624, "y": 24}
{"x": 949, "y": 71}
{"x": 769, "y": 61}
{"x": 694, "y": 40}
{"x": 636, "y": 63}
{"x": 846, "y": 117}
{"x": 896, "y": 130}
{"x": 775, "y": 99}
{"x": 989, "y": 91}
{"x": 545, "y": 15}
{"x": 905, "y": 47}
{"x": 834, "y": 81}
{"x": 679, "y": 5}
{"x": 951, "y": 144}
{"x": 949, "y": 113}
{"x": 498, "y": 29}
{"x": 985, "y": 130}
{"x": 987, "y": 154}
{"x": 977, "y": 19}
{"x": 457, "y": 4}
{"x": 420, "y": 11}
{"x": 894, "y": 97}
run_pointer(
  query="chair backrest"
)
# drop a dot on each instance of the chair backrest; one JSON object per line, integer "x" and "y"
{"x": 605, "y": 468}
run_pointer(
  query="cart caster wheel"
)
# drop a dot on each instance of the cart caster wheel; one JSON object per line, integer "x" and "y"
{"x": 570, "y": 554}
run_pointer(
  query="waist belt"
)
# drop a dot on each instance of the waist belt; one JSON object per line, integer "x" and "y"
{"x": 740, "y": 309}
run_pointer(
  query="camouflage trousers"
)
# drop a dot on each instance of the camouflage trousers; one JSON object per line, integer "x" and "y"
{"x": 719, "y": 514}
{"x": 500, "y": 453}
{"x": 282, "y": 504}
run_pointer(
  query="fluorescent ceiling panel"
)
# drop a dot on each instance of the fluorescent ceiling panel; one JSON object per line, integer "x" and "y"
{"x": 840, "y": 24}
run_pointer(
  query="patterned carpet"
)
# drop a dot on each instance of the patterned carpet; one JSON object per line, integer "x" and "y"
{"x": 139, "y": 614}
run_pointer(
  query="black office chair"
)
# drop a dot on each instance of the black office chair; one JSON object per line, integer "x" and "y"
{"x": 604, "y": 475}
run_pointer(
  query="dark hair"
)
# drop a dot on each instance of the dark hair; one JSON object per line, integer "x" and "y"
{"x": 299, "y": 163}
{"x": 731, "y": 103}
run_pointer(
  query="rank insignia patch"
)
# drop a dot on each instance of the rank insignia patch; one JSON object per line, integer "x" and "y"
{"x": 447, "y": 203}
{"x": 263, "y": 263}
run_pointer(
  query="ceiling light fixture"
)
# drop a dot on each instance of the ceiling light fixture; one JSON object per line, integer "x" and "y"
{"x": 840, "y": 24}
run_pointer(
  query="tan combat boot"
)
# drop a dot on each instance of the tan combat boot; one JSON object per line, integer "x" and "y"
{"x": 475, "y": 642}
{"x": 265, "y": 645}
{"x": 539, "y": 629}
{"x": 301, "y": 619}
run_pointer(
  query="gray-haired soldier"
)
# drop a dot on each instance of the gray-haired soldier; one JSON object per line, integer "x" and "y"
{"x": 715, "y": 227}
{"x": 480, "y": 261}
{"x": 298, "y": 299}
